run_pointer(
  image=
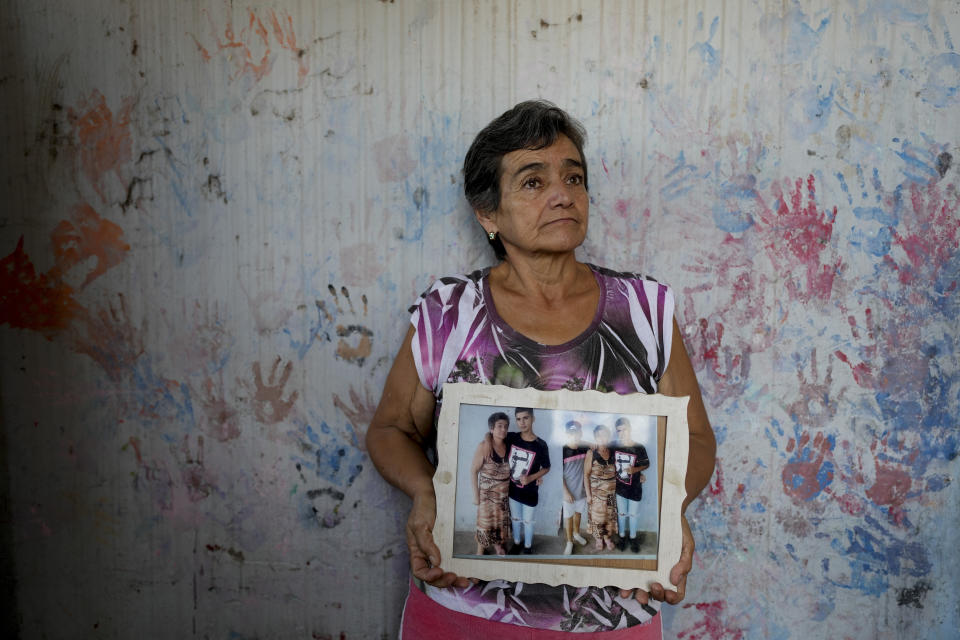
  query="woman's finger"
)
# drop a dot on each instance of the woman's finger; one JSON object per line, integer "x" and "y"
{"x": 639, "y": 595}
{"x": 675, "y": 597}
{"x": 424, "y": 553}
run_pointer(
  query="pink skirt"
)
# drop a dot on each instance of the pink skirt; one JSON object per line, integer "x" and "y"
{"x": 424, "y": 619}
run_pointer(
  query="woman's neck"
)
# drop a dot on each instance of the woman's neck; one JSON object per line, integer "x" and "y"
{"x": 546, "y": 279}
{"x": 550, "y": 302}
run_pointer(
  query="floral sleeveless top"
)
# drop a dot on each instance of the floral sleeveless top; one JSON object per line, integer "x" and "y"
{"x": 461, "y": 338}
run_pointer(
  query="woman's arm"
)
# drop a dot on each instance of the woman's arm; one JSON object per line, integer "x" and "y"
{"x": 395, "y": 441}
{"x": 680, "y": 380}
{"x": 478, "y": 457}
{"x": 587, "y": 465}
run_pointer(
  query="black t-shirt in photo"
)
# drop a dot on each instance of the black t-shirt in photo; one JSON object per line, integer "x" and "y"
{"x": 628, "y": 484}
{"x": 526, "y": 458}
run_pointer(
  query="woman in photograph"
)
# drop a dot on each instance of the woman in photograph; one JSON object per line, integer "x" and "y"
{"x": 600, "y": 482}
{"x": 539, "y": 318}
{"x": 490, "y": 473}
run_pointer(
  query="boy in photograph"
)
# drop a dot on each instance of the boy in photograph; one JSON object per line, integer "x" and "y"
{"x": 631, "y": 460}
{"x": 574, "y": 493}
{"x": 529, "y": 462}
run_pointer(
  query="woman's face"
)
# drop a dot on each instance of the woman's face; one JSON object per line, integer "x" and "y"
{"x": 602, "y": 437}
{"x": 499, "y": 430}
{"x": 544, "y": 205}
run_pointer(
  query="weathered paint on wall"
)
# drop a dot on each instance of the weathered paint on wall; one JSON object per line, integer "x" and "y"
{"x": 216, "y": 214}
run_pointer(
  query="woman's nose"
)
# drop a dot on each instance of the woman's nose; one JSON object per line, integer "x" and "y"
{"x": 559, "y": 195}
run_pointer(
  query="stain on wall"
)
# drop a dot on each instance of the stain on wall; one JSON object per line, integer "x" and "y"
{"x": 217, "y": 216}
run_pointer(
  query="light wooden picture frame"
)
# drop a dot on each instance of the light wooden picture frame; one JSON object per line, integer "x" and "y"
{"x": 659, "y": 423}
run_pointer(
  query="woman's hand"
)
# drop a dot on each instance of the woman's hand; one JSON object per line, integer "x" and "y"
{"x": 424, "y": 553}
{"x": 678, "y": 574}
{"x": 396, "y": 439}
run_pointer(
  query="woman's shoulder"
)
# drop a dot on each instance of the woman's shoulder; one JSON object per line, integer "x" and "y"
{"x": 626, "y": 288}
{"x": 450, "y": 289}
{"x": 632, "y": 276}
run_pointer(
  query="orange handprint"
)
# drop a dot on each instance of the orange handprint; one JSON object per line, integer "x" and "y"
{"x": 269, "y": 405}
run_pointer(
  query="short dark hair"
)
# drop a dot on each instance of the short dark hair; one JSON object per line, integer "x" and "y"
{"x": 520, "y": 410}
{"x": 621, "y": 421}
{"x": 533, "y": 124}
{"x": 601, "y": 427}
{"x": 496, "y": 417}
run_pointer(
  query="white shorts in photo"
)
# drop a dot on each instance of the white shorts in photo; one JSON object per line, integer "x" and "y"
{"x": 569, "y": 508}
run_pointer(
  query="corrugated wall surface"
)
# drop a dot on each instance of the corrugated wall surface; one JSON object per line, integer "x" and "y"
{"x": 215, "y": 214}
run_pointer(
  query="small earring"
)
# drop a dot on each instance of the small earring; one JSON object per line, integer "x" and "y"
{"x": 492, "y": 235}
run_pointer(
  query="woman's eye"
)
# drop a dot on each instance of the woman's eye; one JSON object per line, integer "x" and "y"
{"x": 575, "y": 179}
{"x": 531, "y": 183}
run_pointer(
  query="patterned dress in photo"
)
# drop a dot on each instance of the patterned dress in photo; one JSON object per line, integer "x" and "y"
{"x": 493, "y": 512}
{"x": 603, "y": 504}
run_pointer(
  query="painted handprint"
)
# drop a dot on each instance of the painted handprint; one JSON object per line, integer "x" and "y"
{"x": 810, "y": 470}
{"x": 892, "y": 481}
{"x": 798, "y": 239}
{"x": 871, "y": 205}
{"x": 359, "y": 412}
{"x": 103, "y": 139}
{"x": 249, "y": 50}
{"x": 735, "y": 168}
{"x": 207, "y": 350}
{"x": 45, "y": 302}
{"x": 741, "y": 290}
{"x": 322, "y": 455}
{"x": 111, "y": 338}
{"x": 220, "y": 417}
{"x": 872, "y": 556}
{"x": 85, "y": 235}
{"x": 927, "y": 240}
{"x": 727, "y": 368}
{"x": 196, "y": 479}
{"x": 354, "y": 341}
{"x": 862, "y": 371}
{"x": 814, "y": 406}
{"x": 32, "y": 300}
{"x": 338, "y": 317}
{"x": 269, "y": 405}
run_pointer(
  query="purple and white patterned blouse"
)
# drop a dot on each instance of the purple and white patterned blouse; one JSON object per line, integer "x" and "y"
{"x": 461, "y": 338}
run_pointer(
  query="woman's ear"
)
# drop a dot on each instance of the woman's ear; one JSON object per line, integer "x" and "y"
{"x": 486, "y": 220}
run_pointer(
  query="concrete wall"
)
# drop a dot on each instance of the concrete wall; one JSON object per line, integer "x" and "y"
{"x": 215, "y": 214}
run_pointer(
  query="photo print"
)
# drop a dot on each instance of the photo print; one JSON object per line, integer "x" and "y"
{"x": 578, "y": 487}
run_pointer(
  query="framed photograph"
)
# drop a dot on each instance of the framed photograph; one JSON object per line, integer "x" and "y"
{"x": 562, "y": 487}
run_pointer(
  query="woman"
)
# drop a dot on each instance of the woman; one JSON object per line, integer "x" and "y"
{"x": 490, "y": 473}
{"x": 600, "y": 481}
{"x": 539, "y": 318}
